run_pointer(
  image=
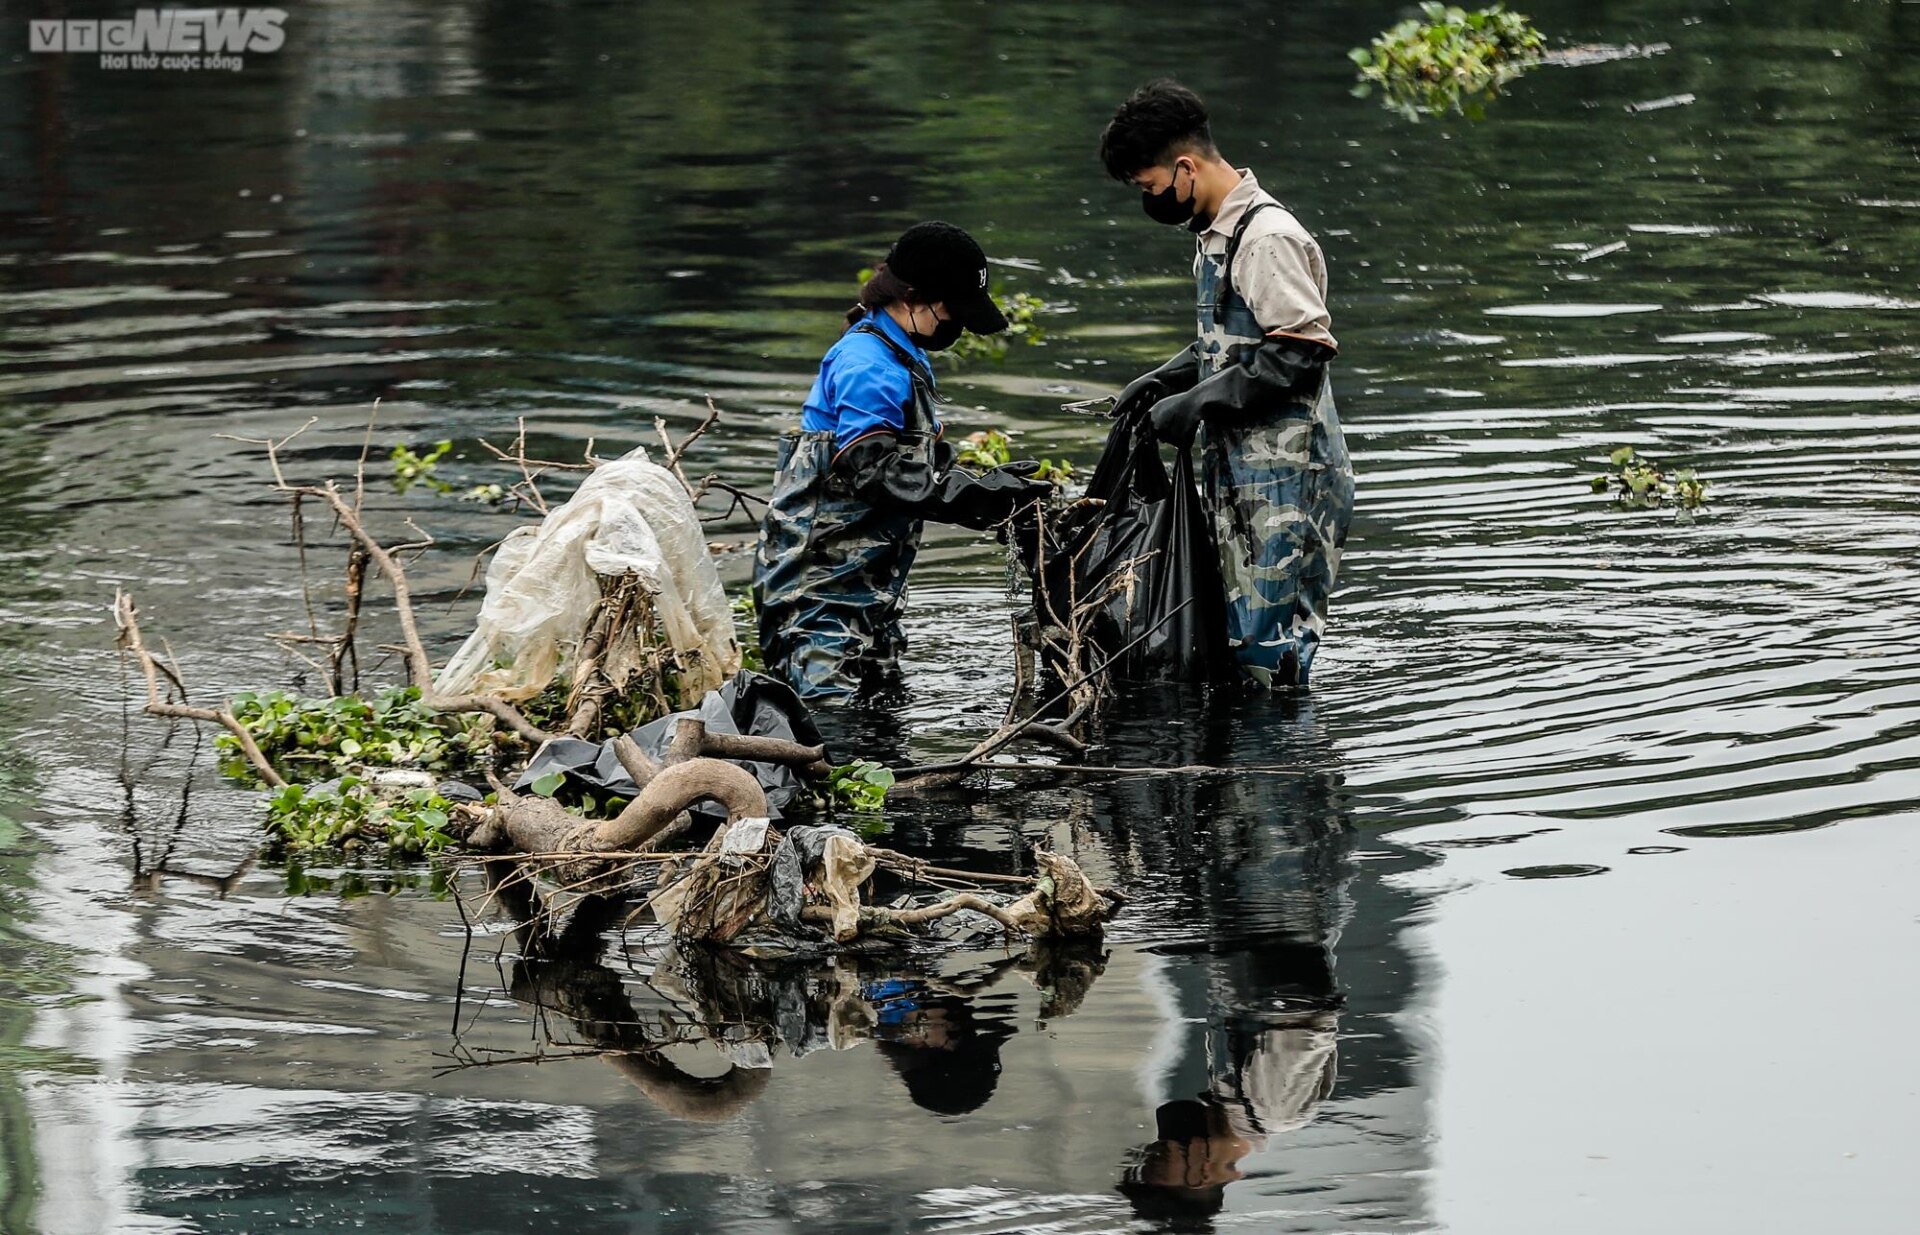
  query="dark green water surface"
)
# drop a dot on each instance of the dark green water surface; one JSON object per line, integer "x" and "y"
{"x": 1579, "y": 896}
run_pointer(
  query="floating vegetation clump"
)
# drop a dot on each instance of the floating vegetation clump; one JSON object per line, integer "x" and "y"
{"x": 320, "y": 737}
{"x": 1021, "y": 309}
{"x": 1638, "y": 482}
{"x": 990, "y": 448}
{"x": 1453, "y": 61}
{"x": 412, "y": 467}
{"x": 859, "y": 786}
{"x": 356, "y": 812}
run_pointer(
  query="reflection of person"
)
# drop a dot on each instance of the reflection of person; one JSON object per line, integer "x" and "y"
{"x": 1276, "y": 478}
{"x": 1275, "y": 1083}
{"x": 866, "y": 468}
{"x": 1186, "y": 1170}
{"x": 946, "y": 1052}
{"x": 1255, "y": 869}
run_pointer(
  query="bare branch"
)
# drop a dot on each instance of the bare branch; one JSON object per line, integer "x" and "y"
{"x": 676, "y": 453}
{"x": 127, "y": 622}
{"x": 360, "y": 468}
{"x": 419, "y": 665}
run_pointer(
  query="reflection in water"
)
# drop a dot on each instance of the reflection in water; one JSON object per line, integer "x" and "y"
{"x": 705, "y": 1005}
{"x": 595, "y": 215}
{"x": 1234, "y": 938}
{"x": 1264, "y": 864}
{"x": 1271, "y": 1080}
{"x": 1273, "y": 1084}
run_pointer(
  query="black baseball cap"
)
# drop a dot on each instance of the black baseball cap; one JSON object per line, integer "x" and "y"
{"x": 941, "y": 262}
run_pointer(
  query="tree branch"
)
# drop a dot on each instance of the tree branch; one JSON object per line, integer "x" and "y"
{"x": 128, "y": 625}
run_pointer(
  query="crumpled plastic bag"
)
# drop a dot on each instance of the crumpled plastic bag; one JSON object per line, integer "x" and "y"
{"x": 628, "y": 515}
{"x": 735, "y": 885}
{"x": 719, "y": 892}
{"x": 844, "y": 864}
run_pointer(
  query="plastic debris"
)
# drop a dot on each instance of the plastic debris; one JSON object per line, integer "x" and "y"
{"x": 753, "y": 888}
{"x": 1138, "y": 520}
{"x": 752, "y": 703}
{"x": 630, "y": 515}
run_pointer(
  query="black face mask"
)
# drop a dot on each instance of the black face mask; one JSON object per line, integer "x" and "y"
{"x": 944, "y": 336}
{"x": 1166, "y": 206}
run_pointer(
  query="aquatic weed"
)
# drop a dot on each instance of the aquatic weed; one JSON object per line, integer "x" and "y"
{"x": 324, "y": 736}
{"x": 860, "y": 786}
{"x": 1454, "y": 61}
{"x": 1637, "y": 482}
{"x": 991, "y": 448}
{"x": 353, "y": 814}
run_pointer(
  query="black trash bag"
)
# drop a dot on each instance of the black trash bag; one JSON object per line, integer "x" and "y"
{"x": 752, "y": 703}
{"x": 1177, "y": 608}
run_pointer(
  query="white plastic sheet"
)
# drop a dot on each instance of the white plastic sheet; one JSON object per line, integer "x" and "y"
{"x": 630, "y": 514}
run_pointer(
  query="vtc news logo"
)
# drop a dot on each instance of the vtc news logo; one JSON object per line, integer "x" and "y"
{"x": 188, "y": 39}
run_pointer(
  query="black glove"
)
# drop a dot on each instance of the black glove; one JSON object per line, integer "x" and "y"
{"x": 1279, "y": 369}
{"x": 1177, "y": 375}
{"x": 980, "y": 501}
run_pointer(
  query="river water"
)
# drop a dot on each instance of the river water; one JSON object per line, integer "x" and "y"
{"x": 1576, "y": 896}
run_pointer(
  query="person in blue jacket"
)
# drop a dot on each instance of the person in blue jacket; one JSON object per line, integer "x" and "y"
{"x": 857, "y": 480}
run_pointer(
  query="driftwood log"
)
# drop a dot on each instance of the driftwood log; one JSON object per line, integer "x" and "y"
{"x": 694, "y": 770}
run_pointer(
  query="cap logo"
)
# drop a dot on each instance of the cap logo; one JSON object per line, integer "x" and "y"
{"x": 983, "y": 276}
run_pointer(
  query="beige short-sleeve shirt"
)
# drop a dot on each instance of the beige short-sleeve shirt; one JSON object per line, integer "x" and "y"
{"x": 1280, "y": 271}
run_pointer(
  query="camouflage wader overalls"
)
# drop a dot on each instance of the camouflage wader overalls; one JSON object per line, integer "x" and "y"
{"x": 830, "y": 573}
{"x": 1279, "y": 487}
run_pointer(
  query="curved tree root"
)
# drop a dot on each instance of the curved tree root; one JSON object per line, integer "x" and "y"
{"x": 1064, "y": 905}
{"x": 541, "y": 825}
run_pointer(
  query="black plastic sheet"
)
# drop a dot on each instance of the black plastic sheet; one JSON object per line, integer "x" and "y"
{"x": 1152, "y": 518}
{"x": 752, "y": 703}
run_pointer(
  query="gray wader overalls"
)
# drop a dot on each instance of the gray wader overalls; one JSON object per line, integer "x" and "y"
{"x": 1278, "y": 485}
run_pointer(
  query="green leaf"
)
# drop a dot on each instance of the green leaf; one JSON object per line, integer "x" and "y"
{"x": 548, "y": 785}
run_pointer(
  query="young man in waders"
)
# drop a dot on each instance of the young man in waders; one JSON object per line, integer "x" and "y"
{"x": 1275, "y": 477}
{"x": 858, "y": 479}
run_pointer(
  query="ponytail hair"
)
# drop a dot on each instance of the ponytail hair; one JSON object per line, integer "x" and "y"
{"x": 882, "y": 288}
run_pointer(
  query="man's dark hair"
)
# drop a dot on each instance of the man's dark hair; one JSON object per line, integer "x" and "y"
{"x": 1160, "y": 121}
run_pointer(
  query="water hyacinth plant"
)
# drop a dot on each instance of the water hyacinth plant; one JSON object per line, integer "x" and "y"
{"x": 989, "y": 448}
{"x": 320, "y": 737}
{"x": 1638, "y": 482}
{"x": 1453, "y": 61}
{"x": 351, "y": 814}
{"x": 1021, "y": 309}
{"x": 860, "y": 786}
{"x": 412, "y": 467}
